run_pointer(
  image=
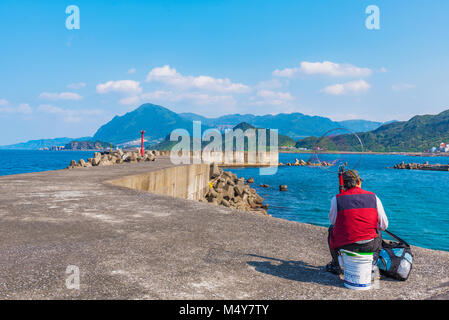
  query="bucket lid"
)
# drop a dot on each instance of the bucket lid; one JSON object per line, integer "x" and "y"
{"x": 354, "y": 254}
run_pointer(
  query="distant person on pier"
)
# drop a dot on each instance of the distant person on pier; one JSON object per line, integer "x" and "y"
{"x": 357, "y": 218}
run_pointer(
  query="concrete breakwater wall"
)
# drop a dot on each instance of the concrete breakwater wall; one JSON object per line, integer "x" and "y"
{"x": 201, "y": 182}
{"x": 188, "y": 182}
{"x": 422, "y": 166}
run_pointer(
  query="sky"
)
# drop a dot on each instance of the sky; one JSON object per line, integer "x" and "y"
{"x": 215, "y": 58}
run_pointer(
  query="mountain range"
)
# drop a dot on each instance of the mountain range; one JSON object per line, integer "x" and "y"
{"x": 41, "y": 143}
{"x": 158, "y": 121}
{"x": 295, "y": 125}
{"x": 418, "y": 134}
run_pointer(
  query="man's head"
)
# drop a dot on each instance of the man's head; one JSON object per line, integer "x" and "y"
{"x": 351, "y": 179}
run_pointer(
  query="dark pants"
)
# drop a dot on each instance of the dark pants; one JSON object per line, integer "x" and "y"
{"x": 374, "y": 246}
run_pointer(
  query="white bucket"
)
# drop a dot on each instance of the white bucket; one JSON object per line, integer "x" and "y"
{"x": 357, "y": 269}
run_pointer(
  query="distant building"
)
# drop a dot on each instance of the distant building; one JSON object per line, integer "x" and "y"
{"x": 443, "y": 147}
{"x": 57, "y": 148}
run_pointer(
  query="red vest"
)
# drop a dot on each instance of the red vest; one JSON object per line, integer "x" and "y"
{"x": 356, "y": 218}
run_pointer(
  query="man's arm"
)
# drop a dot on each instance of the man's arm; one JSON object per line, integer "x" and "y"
{"x": 382, "y": 217}
{"x": 333, "y": 211}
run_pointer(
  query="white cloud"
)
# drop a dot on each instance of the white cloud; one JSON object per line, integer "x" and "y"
{"x": 68, "y": 115}
{"x": 194, "y": 97}
{"x": 171, "y": 77}
{"x": 287, "y": 72}
{"x": 76, "y": 86}
{"x": 357, "y": 86}
{"x": 122, "y": 86}
{"x": 270, "y": 84}
{"x": 23, "y": 108}
{"x": 60, "y": 96}
{"x": 268, "y": 94}
{"x": 265, "y": 97}
{"x": 326, "y": 68}
{"x": 132, "y": 71}
{"x": 4, "y": 102}
{"x": 402, "y": 86}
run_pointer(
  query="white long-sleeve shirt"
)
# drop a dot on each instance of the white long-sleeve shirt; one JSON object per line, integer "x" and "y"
{"x": 382, "y": 222}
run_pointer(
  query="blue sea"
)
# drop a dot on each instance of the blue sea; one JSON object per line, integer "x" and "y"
{"x": 416, "y": 202}
{"x": 24, "y": 161}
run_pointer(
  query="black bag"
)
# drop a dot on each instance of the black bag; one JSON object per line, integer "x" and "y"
{"x": 395, "y": 258}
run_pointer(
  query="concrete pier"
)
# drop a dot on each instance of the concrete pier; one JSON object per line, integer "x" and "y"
{"x": 132, "y": 244}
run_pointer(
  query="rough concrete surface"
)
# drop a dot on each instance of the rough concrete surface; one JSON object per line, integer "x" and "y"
{"x": 131, "y": 244}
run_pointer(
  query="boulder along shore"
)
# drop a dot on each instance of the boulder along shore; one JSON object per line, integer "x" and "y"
{"x": 114, "y": 157}
{"x": 228, "y": 190}
{"x": 422, "y": 166}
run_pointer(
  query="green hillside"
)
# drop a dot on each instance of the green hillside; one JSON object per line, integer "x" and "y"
{"x": 418, "y": 134}
{"x": 87, "y": 145}
{"x": 157, "y": 121}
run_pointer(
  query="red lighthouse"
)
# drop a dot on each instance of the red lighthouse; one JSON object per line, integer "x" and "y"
{"x": 141, "y": 144}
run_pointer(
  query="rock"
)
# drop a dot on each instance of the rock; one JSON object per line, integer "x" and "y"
{"x": 213, "y": 193}
{"x": 225, "y": 203}
{"x": 230, "y": 191}
{"x": 219, "y": 197}
{"x": 221, "y": 184}
{"x": 113, "y": 157}
{"x": 258, "y": 199}
{"x": 283, "y": 187}
{"x": 105, "y": 162}
{"x": 238, "y": 190}
{"x": 213, "y": 200}
{"x": 96, "y": 161}
{"x": 252, "y": 204}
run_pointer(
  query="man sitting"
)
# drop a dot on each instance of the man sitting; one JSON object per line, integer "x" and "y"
{"x": 357, "y": 218}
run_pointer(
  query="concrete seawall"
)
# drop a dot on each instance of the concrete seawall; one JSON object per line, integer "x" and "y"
{"x": 187, "y": 182}
{"x": 131, "y": 244}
